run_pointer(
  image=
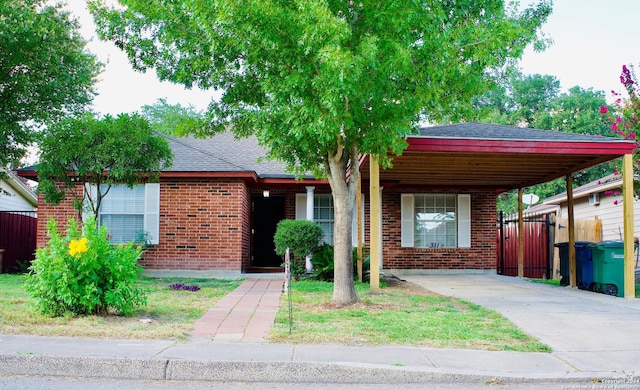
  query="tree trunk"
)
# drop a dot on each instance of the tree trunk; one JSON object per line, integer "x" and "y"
{"x": 344, "y": 292}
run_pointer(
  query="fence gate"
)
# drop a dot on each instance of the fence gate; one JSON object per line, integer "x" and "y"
{"x": 538, "y": 246}
{"x": 17, "y": 238}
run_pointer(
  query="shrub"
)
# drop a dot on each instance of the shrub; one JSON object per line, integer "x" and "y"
{"x": 85, "y": 274}
{"x": 323, "y": 267}
{"x": 301, "y": 237}
{"x": 322, "y": 261}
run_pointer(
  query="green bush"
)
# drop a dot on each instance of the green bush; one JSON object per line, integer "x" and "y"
{"x": 85, "y": 274}
{"x": 301, "y": 237}
{"x": 323, "y": 267}
{"x": 322, "y": 261}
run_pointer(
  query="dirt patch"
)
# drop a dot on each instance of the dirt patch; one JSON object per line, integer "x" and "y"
{"x": 395, "y": 284}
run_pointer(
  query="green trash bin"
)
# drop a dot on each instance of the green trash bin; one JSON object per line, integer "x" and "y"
{"x": 608, "y": 267}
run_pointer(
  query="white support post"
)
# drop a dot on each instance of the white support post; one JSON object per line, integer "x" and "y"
{"x": 310, "y": 189}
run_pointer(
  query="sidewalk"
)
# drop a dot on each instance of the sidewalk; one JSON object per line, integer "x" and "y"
{"x": 245, "y": 314}
{"x": 228, "y": 345}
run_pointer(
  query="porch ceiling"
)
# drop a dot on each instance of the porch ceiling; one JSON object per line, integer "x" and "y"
{"x": 500, "y": 158}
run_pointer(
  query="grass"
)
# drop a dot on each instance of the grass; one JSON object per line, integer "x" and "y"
{"x": 552, "y": 282}
{"x": 172, "y": 313}
{"x": 397, "y": 317}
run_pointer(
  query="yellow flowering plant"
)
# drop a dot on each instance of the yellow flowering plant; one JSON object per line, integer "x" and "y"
{"x": 77, "y": 247}
{"x": 82, "y": 272}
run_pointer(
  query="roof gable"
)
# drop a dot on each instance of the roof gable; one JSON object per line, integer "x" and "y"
{"x": 18, "y": 186}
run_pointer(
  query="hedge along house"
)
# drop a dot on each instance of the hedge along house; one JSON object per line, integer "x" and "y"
{"x": 215, "y": 211}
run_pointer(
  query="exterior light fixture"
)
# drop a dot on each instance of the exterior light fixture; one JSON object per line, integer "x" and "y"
{"x": 265, "y": 193}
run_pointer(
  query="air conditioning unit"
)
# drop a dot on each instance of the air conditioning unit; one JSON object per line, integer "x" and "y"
{"x": 594, "y": 199}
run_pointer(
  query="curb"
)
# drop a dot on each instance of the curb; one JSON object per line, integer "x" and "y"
{"x": 277, "y": 372}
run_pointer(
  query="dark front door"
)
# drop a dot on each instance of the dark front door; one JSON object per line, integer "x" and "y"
{"x": 267, "y": 212}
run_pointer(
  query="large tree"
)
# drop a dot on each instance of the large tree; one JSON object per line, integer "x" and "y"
{"x": 322, "y": 82}
{"x": 100, "y": 152}
{"x": 45, "y": 71}
{"x": 536, "y": 101}
{"x": 171, "y": 119}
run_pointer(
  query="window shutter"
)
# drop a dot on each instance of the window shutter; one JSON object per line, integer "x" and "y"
{"x": 301, "y": 206}
{"x": 354, "y": 224}
{"x": 407, "y": 218}
{"x": 152, "y": 212}
{"x": 464, "y": 221}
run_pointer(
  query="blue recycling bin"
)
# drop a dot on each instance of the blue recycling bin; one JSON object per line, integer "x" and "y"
{"x": 584, "y": 264}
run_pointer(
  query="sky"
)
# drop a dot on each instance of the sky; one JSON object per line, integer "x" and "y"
{"x": 592, "y": 40}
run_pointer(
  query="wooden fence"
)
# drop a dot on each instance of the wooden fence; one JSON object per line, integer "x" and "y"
{"x": 17, "y": 239}
{"x": 585, "y": 230}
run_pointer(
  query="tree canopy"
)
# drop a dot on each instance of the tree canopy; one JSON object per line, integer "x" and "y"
{"x": 101, "y": 152}
{"x": 536, "y": 101}
{"x": 322, "y": 82}
{"x": 45, "y": 71}
{"x": 171, "y": 119}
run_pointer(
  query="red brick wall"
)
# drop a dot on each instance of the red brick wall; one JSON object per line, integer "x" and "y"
{"x": 60, "y": 213}
{"x": 480, "y": 256}
{"x": 203, "y": 223}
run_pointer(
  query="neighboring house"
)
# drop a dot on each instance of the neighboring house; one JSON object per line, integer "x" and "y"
{"x": 600, "y": 199}
{"x": 18, "y": 204}
{"x": 15, "y": 195}
{"x": 215, "y": 210}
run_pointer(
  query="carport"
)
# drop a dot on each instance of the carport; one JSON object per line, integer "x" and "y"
{"x": 499, "y": 158}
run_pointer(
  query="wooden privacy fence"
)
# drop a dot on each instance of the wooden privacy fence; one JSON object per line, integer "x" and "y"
{"x": 585, "y": 230}
{"x": 17, "y": 239}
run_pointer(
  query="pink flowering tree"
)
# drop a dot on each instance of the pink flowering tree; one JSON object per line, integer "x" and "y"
{"x": 624, "y": 115}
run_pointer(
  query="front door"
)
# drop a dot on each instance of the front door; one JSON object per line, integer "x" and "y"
{"x": 267, "y": 212}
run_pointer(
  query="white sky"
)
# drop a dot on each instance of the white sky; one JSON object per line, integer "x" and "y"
{"x": 592, "y": 40}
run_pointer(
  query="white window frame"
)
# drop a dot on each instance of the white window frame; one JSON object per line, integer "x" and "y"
{"x": 151, "y": 210}
{"x": 301, "y": 213}
{"x": 462, "y": 218}
{"x": 326, "y": 223}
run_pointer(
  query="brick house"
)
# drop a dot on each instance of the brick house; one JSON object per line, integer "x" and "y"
{"x": 215, "y": 211}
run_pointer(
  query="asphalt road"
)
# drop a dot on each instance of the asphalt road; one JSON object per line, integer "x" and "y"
{"x": 66, "y": 383}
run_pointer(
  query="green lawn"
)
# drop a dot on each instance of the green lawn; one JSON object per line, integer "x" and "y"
{"x": 171, "y": 313}
{"x": 396, "y": 316}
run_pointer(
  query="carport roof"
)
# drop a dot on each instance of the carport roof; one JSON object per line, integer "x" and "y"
{"x": 494, "y": 157}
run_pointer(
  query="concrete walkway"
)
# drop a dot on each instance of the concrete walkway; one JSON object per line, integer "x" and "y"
{"x": 595, "y": 339}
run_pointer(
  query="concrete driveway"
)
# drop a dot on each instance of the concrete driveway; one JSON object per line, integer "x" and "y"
{"x": 590, "y": 331}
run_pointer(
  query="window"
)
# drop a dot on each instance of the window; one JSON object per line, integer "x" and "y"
{"x": 323, "y": 215}
{"x": 131, "y": 214}
{"x": 435, "y": 224}
{"x": 122, "y": 212}
{"x": 436, "y": 220}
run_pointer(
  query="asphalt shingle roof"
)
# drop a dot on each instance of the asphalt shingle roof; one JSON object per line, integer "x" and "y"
{"x": 222, "y": 153}
{"x": 474, "y": 130}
